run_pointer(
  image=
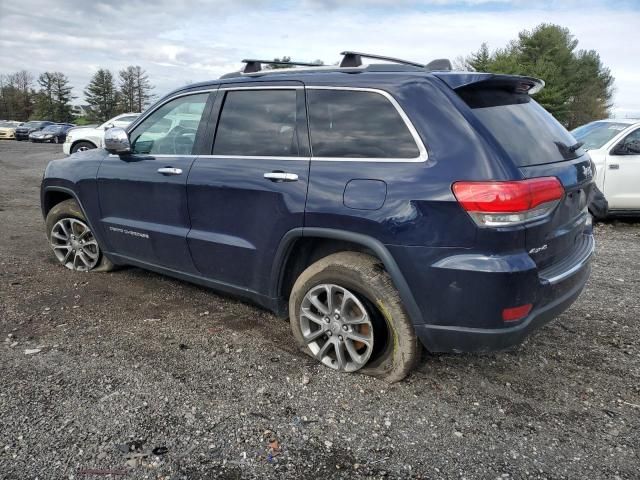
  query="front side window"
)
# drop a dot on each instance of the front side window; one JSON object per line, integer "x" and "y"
{"x": 172, "y": 128}
{"x": 630, "y": 145}
{"x": 258, "y": 123}
{"x": 357, "y": 124}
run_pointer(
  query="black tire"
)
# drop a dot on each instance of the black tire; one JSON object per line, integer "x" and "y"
{"x": 80, "y": 145}
{"x": 71, "y": 209}
{"x": 396, "y": 347}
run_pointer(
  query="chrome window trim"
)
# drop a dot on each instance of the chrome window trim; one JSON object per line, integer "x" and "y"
{"x": 257, "y": 157}
{"x": 422, "y": 157}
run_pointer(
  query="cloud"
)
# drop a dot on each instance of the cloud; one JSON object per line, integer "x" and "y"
{"x": 193, "y": 40}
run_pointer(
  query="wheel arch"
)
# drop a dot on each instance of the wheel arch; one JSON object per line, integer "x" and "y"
{"x": 287, "y": 260}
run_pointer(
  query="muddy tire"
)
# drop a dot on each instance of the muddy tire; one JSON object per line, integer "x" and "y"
{"x": 372, "y": 334}
{"x": 72, "y": 241}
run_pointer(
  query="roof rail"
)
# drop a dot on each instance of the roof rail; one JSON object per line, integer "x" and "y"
{"x": 351, "y": 63}
{"x": 253, "y": 65}
{"x": 354, "y": 59}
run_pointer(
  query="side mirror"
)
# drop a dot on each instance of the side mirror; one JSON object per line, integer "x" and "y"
{"x": 116, "y": 141}
{"x": 109, "y": 125}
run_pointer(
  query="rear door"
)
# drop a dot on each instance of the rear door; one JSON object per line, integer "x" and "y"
{"x": 143, "y": 195}
{"x": 251, "y": 189}
{"x": 539, "y": 146}
{"x": 622, "y": 176}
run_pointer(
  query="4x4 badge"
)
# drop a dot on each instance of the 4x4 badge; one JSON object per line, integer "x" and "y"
{"x": 538, "y": 249}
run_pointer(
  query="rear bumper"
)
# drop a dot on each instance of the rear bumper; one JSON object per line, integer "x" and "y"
{"x": 462, "y": 308}
{"x": 438, "y": 338}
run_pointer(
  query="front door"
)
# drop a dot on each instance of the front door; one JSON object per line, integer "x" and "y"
{"x": 622, "y": 177}
{"x": 251, "y": 190}
{"x": 143, "y": 195}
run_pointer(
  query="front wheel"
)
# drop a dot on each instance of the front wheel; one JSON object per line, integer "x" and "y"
{"x": 72, "y": 240}
{"x": 82, "y": 147}
{"x": 345, "y": 312}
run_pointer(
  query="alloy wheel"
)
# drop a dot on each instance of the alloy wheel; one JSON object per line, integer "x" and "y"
{"x": 336, "y": 327}
{"x": 74, "y": 244}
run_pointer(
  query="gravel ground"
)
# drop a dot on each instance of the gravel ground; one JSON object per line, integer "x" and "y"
{"x": 142, "y": 376}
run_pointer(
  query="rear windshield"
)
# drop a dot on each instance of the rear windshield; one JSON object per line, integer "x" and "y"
{"x": 595, "y": 134}
{"x": 525, "y": 130}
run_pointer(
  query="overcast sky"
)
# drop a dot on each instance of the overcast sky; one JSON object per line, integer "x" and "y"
{"x": 187, "y": 41}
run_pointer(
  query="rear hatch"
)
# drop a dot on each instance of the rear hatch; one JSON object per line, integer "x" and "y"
{"x": 539, "y": 146}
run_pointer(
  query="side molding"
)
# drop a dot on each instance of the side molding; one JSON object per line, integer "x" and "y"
{"x": 277, "y": 272}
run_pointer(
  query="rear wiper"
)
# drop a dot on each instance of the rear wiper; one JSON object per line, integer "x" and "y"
{"x": 575, "y": 147}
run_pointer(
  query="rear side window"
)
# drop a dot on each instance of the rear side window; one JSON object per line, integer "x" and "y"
{"x": 526, "y": 131}
{"x": 257, "y": 123}
{"x": 357, "y": 124}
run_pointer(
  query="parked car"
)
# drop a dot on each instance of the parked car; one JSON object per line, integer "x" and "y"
{"x": 8, "y": 129}
{"x": 24, "y": 130}
{"x": 393, "y": 206}
{"x": 86, "y": 138}
{"x": 614, "y": 146}
{"x": 56, "y": 133}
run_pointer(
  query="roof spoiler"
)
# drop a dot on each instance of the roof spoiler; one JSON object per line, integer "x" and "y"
{"x": 514, "y": 83}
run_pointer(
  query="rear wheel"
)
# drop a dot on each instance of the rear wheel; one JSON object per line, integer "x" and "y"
{"x": 72, "y": 240}
{"x": 82, "y": 147}
{"x": 345, "y": 312}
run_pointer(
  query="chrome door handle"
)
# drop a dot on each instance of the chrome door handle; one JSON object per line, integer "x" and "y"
{"x": 170, "y": 171}
{"x": 281, "y": 177}
{"x": 614, "y": 166}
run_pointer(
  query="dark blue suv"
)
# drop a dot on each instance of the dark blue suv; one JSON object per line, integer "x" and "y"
{"x": 379, "y": 207}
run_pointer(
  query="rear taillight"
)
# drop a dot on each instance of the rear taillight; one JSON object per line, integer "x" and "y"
{"x": 495, "y": 204}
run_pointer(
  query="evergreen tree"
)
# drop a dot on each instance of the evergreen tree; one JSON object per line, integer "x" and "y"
{"x": 127, "y": 89}
{"x": 53, "y": 99}
{"x": 579, "y": 88}
{"x": 102, "y": 96}
{"x": 481, "y": 60}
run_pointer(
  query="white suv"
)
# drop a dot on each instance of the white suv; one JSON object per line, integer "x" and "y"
{"x": 614, "y": 146}
{"x": 86, "y": 138}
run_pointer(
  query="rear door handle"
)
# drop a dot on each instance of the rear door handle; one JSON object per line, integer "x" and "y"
{"x": 281, "y": 177}
{"x": 614, "y": 166}
{"x": 170, "y": 171}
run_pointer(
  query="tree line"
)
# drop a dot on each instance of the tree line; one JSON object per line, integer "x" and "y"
{"x": 48, "y": 97}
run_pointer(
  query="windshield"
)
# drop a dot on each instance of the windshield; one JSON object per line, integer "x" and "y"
{"x": 595, "y": 134}
{"x": 52, "y": 128}
{"x": 31, "y": 124}
{"x": 525, "y": 130}
{"x": 6, "y": 124}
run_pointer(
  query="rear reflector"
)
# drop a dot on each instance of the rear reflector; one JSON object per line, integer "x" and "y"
{"x": 509, "y": 203}
{"x": 516, "y": 313}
